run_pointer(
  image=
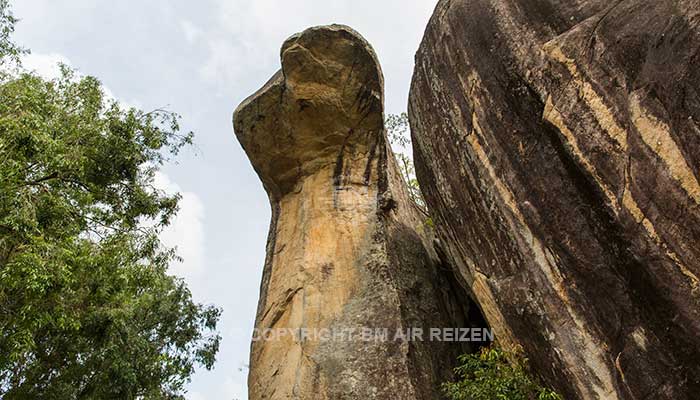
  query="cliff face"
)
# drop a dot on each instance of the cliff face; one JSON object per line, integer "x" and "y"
{"x": 558, "y": 148}
{"x": 346, "y": 249}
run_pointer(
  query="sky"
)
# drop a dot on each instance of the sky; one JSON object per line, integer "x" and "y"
{"x": 200, "y": 59}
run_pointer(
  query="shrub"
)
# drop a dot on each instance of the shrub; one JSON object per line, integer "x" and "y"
{"x": 489, "y": 375}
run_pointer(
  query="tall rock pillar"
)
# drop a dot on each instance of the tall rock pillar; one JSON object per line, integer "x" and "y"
{"x": 347, "y": 249}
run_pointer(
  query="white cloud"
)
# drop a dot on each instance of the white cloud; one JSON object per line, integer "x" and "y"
{"x": 230, "y": 389}
{"x": 124, "y": 105}
{"x": 45, "y": 65}
{"x": 194, "y": 396}
{"x": 245, "y": 39}
{"x": 235, "y": 390}
{"x": 190, "y": 30}
{"x": 223, "y": 63}
{"x": 186, "y": 231}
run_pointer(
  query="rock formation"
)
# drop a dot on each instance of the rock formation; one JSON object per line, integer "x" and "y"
{"x": 558, "y": 148}
{"x": 347, "y": 249}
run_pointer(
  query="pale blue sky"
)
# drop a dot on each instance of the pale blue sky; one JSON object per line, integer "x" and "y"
{"x": 200, "y": 59}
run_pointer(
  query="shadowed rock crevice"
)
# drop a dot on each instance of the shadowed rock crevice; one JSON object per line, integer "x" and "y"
{"x": 347, "y": 248}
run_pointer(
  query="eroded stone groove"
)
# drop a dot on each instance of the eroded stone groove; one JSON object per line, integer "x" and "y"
{"x": 347, "y": 248}
{"x": 558, "y": 148}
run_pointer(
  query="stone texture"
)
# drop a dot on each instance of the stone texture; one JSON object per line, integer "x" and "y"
{"x": 558, "y": 148}
{"x": 346, "y": 248}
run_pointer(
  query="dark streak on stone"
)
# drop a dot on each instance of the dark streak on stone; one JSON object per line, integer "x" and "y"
{"x": 370, "y": 159}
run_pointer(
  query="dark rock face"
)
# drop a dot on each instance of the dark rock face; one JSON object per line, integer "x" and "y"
{"x": 347, "y": 249}
{"x": 558, "y": 148}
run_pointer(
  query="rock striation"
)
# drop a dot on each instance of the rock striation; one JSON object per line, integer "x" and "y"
{"x": 347, "y": 249}
{"x": 557, "y": 145}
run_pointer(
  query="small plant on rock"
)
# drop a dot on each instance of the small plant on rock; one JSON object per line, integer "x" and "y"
{"x": 489, "y": 375}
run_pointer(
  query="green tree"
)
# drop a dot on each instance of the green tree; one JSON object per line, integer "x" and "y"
{"x": 399, "y": 134}
{"x": 8, "y": 50}
{"x": 494, "y": 374}
{"x": 87, "y": 309}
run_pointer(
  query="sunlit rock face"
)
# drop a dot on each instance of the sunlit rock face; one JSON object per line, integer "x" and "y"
{"x": 558, "y": 148}
{"x": 347, "y": 249}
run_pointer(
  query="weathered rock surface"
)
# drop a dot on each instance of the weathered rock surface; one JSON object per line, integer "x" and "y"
{"x": 346, "y": 249}
{"x": 558, "y": 148}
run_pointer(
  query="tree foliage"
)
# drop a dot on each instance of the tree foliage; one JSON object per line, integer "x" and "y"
{"x": 87, "y": 309}
{"x": 399, "y": 134}
{"x": 9, "y": 52}
{"x": 490, "y": 375}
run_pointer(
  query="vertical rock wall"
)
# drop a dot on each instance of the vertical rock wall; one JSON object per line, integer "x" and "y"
{"x": 558, "y": 147}
{"x": 347, "y": 249}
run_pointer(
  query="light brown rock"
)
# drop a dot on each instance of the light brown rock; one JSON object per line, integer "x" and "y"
{"x": 347, "y": 248}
